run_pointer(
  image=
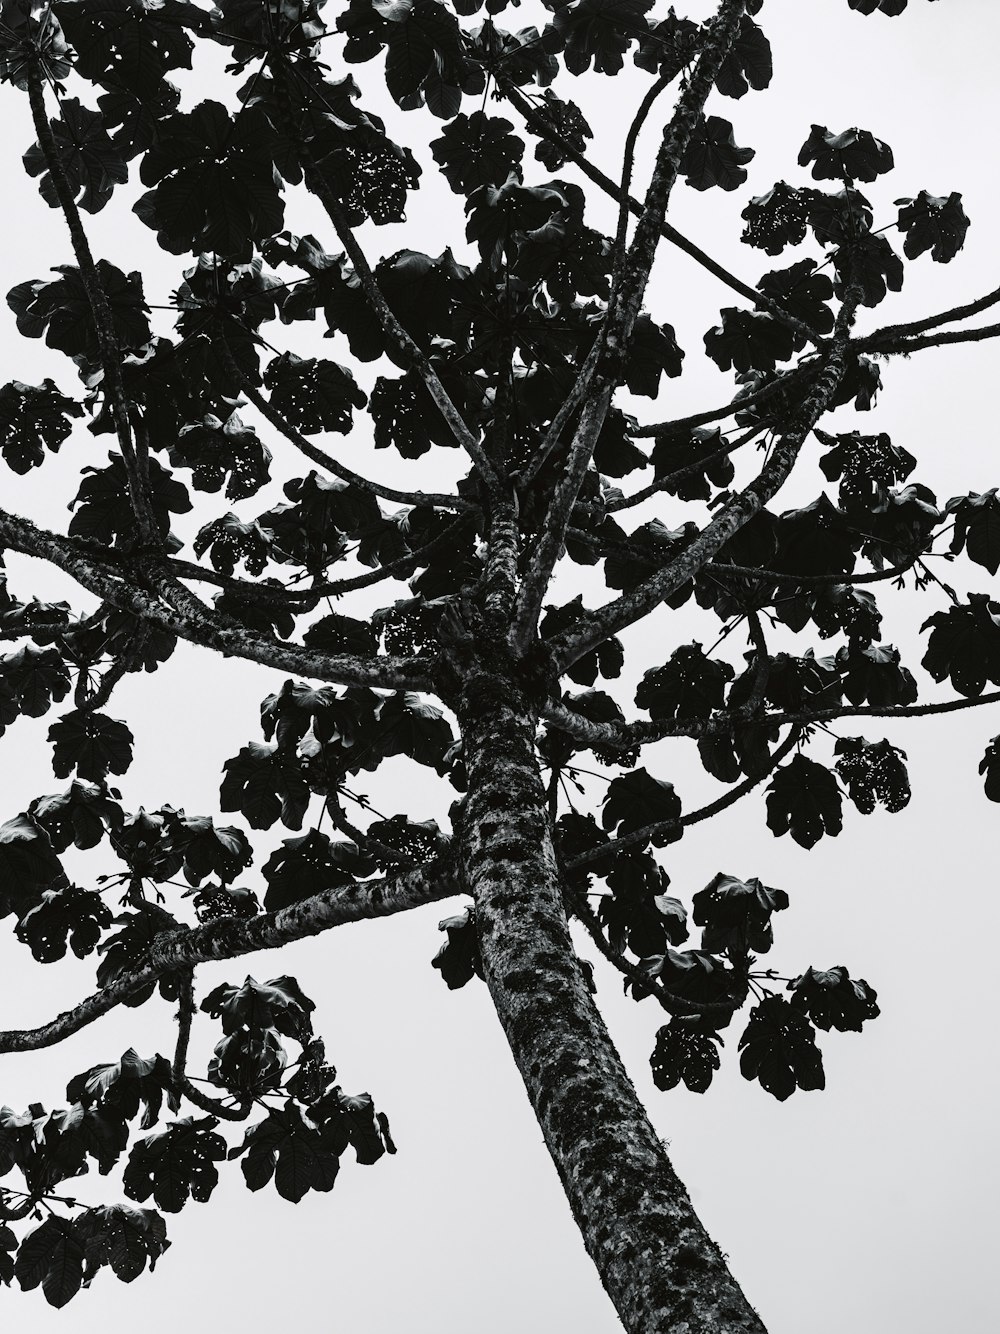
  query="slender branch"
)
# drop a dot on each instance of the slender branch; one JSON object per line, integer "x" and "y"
{"x": 759, "y": 687}
{"x": 681, "y": 474}
{"x": 621, "y": 315}
{"x": 892, "y": 332}
{"x": 667, "y": 1000}
{"x": 539, "y": 123}
{"x": 905, "y": 346}
{"x": 553, "y": 534}
{"x": 320, "y": 456}
{"x": 248, "y": 590}
{"x": 185, "y": 1018}
{"x": 391, "y": 327}
{"x": 811, "y": 580}
{"x": 100, "y": 307}
{"x": 225, "y": 636}
{"x": 614, "y": 616}
{"x": 625, "y": 736}
{"x": 214, "y": 1106}
{"x": 231, "y": 937}
{"x": 769, "y": 390}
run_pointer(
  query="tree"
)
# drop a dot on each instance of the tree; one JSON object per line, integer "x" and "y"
{"x": 518, "y": 360}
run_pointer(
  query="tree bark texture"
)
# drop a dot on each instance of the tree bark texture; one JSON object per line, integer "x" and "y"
{"x": 660, "y": 1268}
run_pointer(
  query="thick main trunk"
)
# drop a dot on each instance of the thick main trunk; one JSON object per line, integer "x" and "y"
{"x": 659, "y": 1266}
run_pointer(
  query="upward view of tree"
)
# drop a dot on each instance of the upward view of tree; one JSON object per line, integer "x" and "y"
{"x": 226, "y": 503}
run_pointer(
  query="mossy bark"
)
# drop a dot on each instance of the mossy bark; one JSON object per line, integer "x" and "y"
{"x": 659, "y": 1266}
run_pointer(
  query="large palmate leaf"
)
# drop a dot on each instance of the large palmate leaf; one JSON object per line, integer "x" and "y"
{"x": 33, "y": 418}
{"x": 90, "y": 161}
{"x": 779, "y": 1049}
{"x": 176, "y": 1164}
{"x": 214, "y": 182}
{"x": 61, "y": 310}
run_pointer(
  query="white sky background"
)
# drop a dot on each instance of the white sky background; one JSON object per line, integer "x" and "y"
{"x": 869, "y": 1206}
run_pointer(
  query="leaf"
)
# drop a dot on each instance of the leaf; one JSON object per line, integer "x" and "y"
{"x": 61, "y": 311}
{"x": 123, "y": 1237}
{"x": 313, "y": 395}
{"x": 33, "y": 418}
{"x": 296, "y": 1154}
{"x": 477, "y": 150}
{"x": 308, "y": 865}
{"x": 28, "y": 864}
{"x": 712, "y": 156}
{"x": 346, "y": 1118}
{"x": 264, "y": 785}
{"x": 748, "y": 64}
{"x": 779, "y": 1049}
{"x": 35, "y": 679}
{"x": 78, "y": 816}
{"x": 91, "y": 163}
{"x": 803, "y": 799}
{"x": 670, "y": 45}
{"x": 64, "y": 916}
{"x": 682, "y": 1053}
{"x": 52, "y": 1255}
{"x": 853, "y": 154}
{"x": 874, "y": 675}
{"x": 700, "y": 459}
{"x": 104, "y": 510}
{"x": 129, "y": 948}
{"x": 870, "y": 261}
{"x": 749, "y": 340}
{"x": 570, "y": 124}
{"x": 458, "y": 959}
{"x": 653, "y": 352}
{"x": 128, "y": 1084}
{"x": 990, "y": 766}
{"x": 964, "y": 645}
{"x": 636, "y": 800}
{"x": 599, "y": 32}
{"x": 202, "y": 848}
{"x": 216, "y": 450}
{"x": 214, "y": 183}
{"x": 341, "y": 634}
{"x": 175, "y": 1164}
{"x": 415, "y": 841}
{"x": 776, "y": 219}
{"x": 868, "y": 466}
{"x": 933, "y": 223}
{"x": 977, "y": 528}
{"x": 889, "y": 7}
{"x": 91, "y": 744}
{"x": 689, "y": 685}
{"x": 736, "y": 914}
{"x": 803, "y": 292}
{"x": 280, "y": 1004}
{"x": 832, "y": 999}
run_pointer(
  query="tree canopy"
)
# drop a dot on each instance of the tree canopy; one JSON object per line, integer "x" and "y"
{"x": 229, "y": 501}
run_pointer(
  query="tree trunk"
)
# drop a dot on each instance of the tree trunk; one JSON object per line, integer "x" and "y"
{"x": 659, "y": 1266}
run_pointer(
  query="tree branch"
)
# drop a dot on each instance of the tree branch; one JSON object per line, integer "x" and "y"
{"x": 100, "y": 308}
{"x": 200, "y": 627}
{"x": 390, "y": 325}
{"x": 667, "y": 1000}
{"x": 682, "y": 424}
{"x": 230, "y": 938}
{"x": 892, "y": 332}
{"x": 614, "y": 616}
{"x": 320, "y": 456}
{"x": 539, "y": 124}
{"x": 621, "y": 314}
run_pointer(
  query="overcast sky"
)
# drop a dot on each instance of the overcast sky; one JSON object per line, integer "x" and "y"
{"x": 870, "y": 1206}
